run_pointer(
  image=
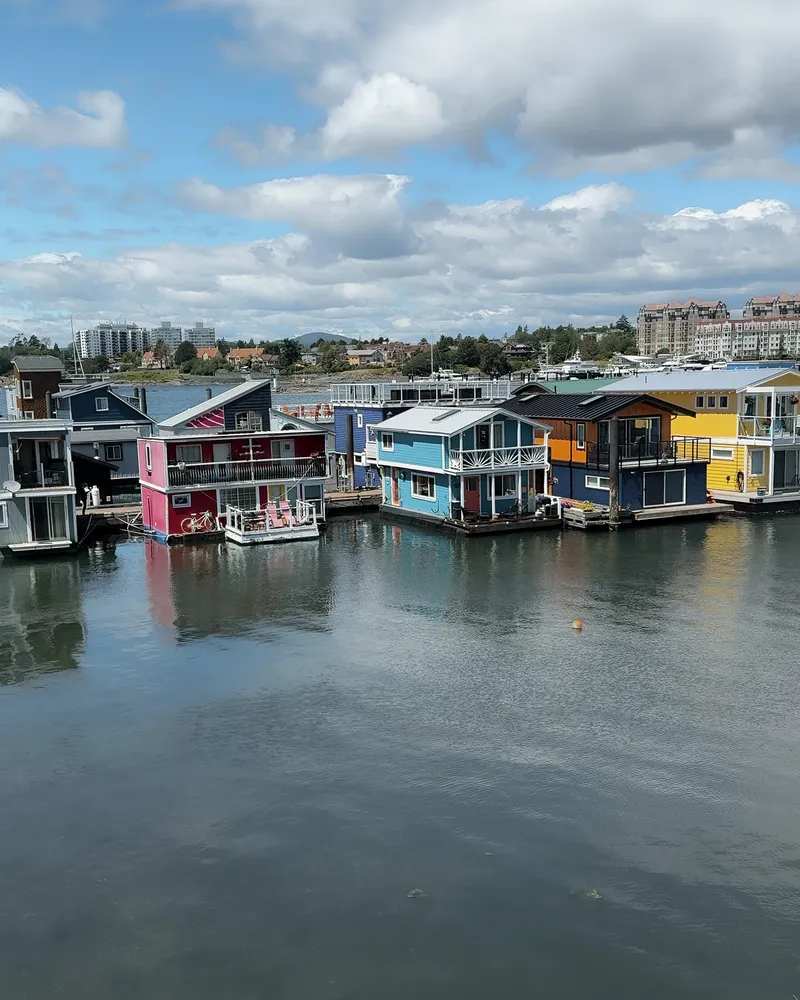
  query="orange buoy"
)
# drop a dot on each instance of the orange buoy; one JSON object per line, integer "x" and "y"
{"x": 577, "y": 624}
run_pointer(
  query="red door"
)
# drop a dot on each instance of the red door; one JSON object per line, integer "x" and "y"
{"x": 395, "y": 487}
{"x": 472, "y": 494}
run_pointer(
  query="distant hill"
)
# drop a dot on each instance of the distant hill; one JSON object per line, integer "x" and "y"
{"x": 311, "y": 338}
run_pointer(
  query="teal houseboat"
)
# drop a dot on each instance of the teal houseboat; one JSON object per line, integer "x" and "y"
{"x": 460, "y": 464}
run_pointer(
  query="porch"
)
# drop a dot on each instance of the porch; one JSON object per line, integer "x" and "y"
{"x": 39, "y": 464}
{"x": 643, "y": 452}
{"x": 184, "y": 474}
{"x": 276, "y": 523}
{"x": 534, "y": 456}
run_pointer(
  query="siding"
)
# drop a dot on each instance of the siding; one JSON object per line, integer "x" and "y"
{"x": 158, "y": 476}
{"x": 41, "y": 384}
{"x": 369, "y": 415}
{"x": 257, "y": 401}
{"x": 435, "y": 507}
{"x": 631, "y": 485}
{"x": 17, "y": 531}
{"x": 722, "y": 473}
{"x": 423, "y": 450}
{"x": 127, "y": 466}
{"x": 84, "y": 409}
{"x": 154, "y": 510}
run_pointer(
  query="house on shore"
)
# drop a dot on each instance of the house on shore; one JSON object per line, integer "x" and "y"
{"x": 448, "y": 464}
{"x": 37, "y": 487}
{"x": 225, "y": 459}
{"x": 656, "y": 467}
{"x": 750, "y": 413}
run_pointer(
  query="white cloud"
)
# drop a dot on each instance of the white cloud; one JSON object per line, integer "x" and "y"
{"x": 622, "y": 83}
{"x": 273, "y": 144}
{"x": 98, "y": 121}
{"x": 466, "y": 268}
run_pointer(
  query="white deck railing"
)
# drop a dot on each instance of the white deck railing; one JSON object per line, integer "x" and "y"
{"x": 498, "y": 458}
{"x": 445, "y": 392}
{"x": 769, "y": 427}
{"x": 274, "y": 519}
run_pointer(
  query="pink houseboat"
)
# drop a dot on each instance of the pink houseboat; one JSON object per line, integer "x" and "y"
{"x": 217, "y": 468}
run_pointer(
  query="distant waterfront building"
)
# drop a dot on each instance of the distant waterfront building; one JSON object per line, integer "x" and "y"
{"x": 768, "y": 306}
{"x": 670, "y": 327}
{"x": 112, "y": 340}
{"x": 749, "y": 338}
{"x": 201, "y": 335}
{"x": 171, "y": 335}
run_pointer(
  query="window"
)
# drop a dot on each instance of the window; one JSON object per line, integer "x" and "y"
{"x": 29, "y": 415}
{"x": 723, "y": 402}
{"x": 27, "y": 390}
{"x": 101, "y": 404}
{"x": 244, "y": 498}
{"x": 3, "y": 515}
{"x": 360, "y": 419}
{"x": 148, "y": 458}
{"x": 580, "y": 437}
{"x": 113, "y": 452}
{"x": 749, "y": 406}
{"x": 182, "y": 500}
{"x": 723, "y": 454}
{"x": 249, "y": 421}
{"x": 757, "y": 462}
{"x": 598, "y": 483}
{"x": 190, "y": 453}
{"x": 505, "y": 486}
{"x": 711, "y": 402}
{"x": 423, "y": 487}
{"x": 665, "y": 489}
{"x": 387, "y": 442}
{"x": 699, "y": 402}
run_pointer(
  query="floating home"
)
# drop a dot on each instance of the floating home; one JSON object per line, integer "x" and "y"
{"x": 656, "y": 468}
{"x": 37, "y": 487}
{"x": 220, "y": 469}
{"x": 750, "y": 416}
{"x": 462, "y": 466}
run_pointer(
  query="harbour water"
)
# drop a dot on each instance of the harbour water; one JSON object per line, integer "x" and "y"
{"x": 384, "y": 765}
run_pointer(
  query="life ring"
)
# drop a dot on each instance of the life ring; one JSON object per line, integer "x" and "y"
{"x": 740, "y": 481}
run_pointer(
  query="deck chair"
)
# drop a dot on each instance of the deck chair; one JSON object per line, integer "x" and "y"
{"x": 272, "y": 516}
{"x": 286, "y": 513}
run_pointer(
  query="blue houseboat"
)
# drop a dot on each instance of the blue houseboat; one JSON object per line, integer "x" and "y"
{"x": 461, "y": 464}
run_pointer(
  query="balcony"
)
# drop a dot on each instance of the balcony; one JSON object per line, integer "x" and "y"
{"x": 677, "y": 451}
{"x": 44, "y": 477}
{"x": 772, "y": 429}
{"x": 447, "y": 392}
{"x": 234, "y": 473}
{"x": 498, "y": 458}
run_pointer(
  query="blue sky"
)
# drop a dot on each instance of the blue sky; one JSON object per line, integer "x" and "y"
{"x": 380, "y": 169}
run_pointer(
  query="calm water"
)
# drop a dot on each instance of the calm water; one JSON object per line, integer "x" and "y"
{"x": 223, "y": 771}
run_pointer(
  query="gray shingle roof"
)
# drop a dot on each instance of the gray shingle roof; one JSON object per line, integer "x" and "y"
{"x": 38, "y": 363}
{"x": 580, "y": 406}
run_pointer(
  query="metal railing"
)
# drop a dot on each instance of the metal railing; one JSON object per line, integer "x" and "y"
{"x": 769, "y": 427}
{"x": 678, "y": 450}
{"x": 42, "y": 478}
{"x": 259, "y": 470}
{"x": 497, "y": 458}
{"x": 444, "y": 392}
{"x": 273, "y": 519}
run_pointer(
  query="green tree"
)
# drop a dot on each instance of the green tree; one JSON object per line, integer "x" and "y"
{"x": 96, "y": 366}
{"x": 624, "y": 325}
{"x": 492, "y": 361}
{"x": 289, "y": 354}
{"x": 161, "y": 353}
{"x": 563, "y": 345}
{"x": 185, "y": 351}
{"x": 466, "y": 353}
{"x": 418, "y": 363}
{"x": 589, "y": 347}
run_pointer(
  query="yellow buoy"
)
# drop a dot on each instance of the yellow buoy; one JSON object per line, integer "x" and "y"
{"x": 577, "y": 624}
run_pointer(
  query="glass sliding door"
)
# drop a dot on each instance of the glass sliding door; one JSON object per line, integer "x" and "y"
{"x": 49, "y": 519}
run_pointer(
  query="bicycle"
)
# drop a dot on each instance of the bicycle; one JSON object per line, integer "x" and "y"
{"x": 198, "y": 522}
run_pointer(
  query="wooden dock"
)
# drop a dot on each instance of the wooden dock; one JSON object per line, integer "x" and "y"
{"x": 344, "y": 501}
{"x": 752, "y": 503}
{"x": 654, "y": 515}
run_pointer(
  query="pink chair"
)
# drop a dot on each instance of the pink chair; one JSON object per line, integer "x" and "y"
{"x": 272, "y": 514}
{"x": 286, "y": 513}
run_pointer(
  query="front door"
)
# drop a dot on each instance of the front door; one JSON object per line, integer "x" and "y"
{"x": 787, "y": 469}
{"x": 395, "y": 487}
{"x": 282, "y": 448}
{"x": 472, "y": 494}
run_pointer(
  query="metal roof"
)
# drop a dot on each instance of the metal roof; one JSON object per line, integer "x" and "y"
{"x": 734, "y": 380}
{"x": 38, "y": 363}
{"x": 214, "y": 403}
{"x": 442, "y": 421}
{"x": 586, "y": 406}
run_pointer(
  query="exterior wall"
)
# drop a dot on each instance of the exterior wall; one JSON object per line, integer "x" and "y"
{"x": 723, "y": 473}
{"x": 258, "y": 401}
{"x": 435, "y": 507}
{"x": 128, "y": 465}
{"x": 17, "y": 531}
{"x": 200, "y": 502}
{"x": 157, "y": 476}
{"x": 369, "y": 415}
{"x": 421, "y": 450}
{"x": 154, "y": 510}
{"x": 84, "y": 409}
{"x": 571, "y": 484}
{"x": 41, "y": 384}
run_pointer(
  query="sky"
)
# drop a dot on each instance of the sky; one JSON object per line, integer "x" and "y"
{"x": 376, "y": 168}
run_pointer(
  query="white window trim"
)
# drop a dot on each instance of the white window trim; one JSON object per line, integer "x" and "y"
{"x": 109, "y": 458}
{"x": 360, "y": 420}
{"x": 662, "y": 472}
{"x": 580, "y": 436}
{"x": 181, "y": 448}
{"x": 699, "y": 402}
{"x": 505, "y": 475}
{"x": 148, "y": 458}
{"x": 180, "y": 501}
{"x": 3, "y": 514}
{"x": 29, "y": 415}
{"x": 387, "y": 435}
{"x": 727, "y": 402}
{"x": 101, "y": 404}
{"x": 27, "y": 389}
{"x": 595, "y": 483}
{"x": 711, "y": 402}
{"x": 420, "y": 496}
{"x": 761, "y": 452}
{"x": 726, "y": 457}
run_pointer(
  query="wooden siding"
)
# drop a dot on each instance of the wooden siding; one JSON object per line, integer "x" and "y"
{"x": 258, "y": 401}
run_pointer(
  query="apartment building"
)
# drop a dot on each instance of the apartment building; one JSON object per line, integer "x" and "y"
{"x": 768, "y": 306}
{"x": 112, "y": 340}
{"x": 670, "y": 327}
{"x": 771, "y": 337}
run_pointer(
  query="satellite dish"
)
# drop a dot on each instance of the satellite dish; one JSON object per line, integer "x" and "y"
{"x": 11, "y": 487}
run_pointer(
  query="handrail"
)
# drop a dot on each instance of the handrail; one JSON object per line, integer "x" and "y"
{"x": 258, "y": 470}
{"x": 643, "y": 452}
{"x": 498, "y": 458}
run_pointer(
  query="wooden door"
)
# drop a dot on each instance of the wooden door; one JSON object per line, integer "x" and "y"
{"x": 472, "y": 494}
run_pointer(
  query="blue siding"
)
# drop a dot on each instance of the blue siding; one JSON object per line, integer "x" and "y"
{"x": 257, "y": 401}
{"x": 438, "y": 506}
{"x": 631, "y": 485}
{"x": 423, "y": 450}
{"x": 340, "y": 415}
{"x": 84, "y": 409}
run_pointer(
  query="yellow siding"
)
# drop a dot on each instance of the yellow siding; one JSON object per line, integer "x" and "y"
{"x": 722, "y": 474}
{"x": 791, "y": 380}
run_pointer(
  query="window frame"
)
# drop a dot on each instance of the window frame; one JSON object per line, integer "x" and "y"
{"x": 359, "y": 420}
{"x": 711, "y": 402}
{"x": 387, "y": 441}
{"x": 726, "y": 404}
{"x": 664, "y": 503}
{"x": 251, "y": 418}
{"x": 180, "y": 450}
{"x": 101, "y": 404}
{"x": 598, "y": 484}
{"x": 727, "y": 457}
{"x": 428, "y": 498}
{"x": 27, "y": 388}
{"x": 29, "y": 415}
{"x": 113, "y": 457}
{"x": 761, "y": 453}
{"x": 3, "y": 514}
{"x": 505, "y": 493}
{"x": 148, "y": 457}
{"x": 181, "y": 501}
{"x": 580, "y": 436}
{"x": 699, "y": 402}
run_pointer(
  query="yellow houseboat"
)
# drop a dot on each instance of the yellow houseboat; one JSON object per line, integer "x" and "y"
{"x": 751, "y": 416}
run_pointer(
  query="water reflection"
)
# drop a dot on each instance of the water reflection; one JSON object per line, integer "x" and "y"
{"x": 203, "y": 590}
{"x": 42, "y": 627}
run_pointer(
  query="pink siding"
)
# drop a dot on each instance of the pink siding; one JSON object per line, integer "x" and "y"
{"x": 154, "y": 510}
{"x": 157, "y": 476}
{"x": 201, "y": 501}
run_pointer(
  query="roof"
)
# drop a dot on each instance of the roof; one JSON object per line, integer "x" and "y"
{"x": 127, "y": 432}
{"x": 568, "y": 386}
{"x": 720, "y": 379}
{"x": 240, "y": 352}
{"x": 442, "y": 421}
{"x": 583, "y": 406}
{"x": 214, "y": 403}
{"x": 38, "y": 363}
